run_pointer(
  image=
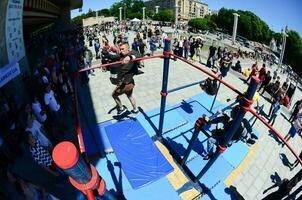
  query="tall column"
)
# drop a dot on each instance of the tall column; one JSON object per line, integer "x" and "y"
{"x": 176, "y": 13}
{"x": 97, "y": 16}
{"x": 156, "y": 9}
{"x": 144, "y": 8}
{"x": 284, "y": 35}
{"x": 235, "y": 27}
{"x": 120, "y": 8}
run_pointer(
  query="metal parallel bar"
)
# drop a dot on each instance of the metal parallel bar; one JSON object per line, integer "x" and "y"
{"x": 208, "y": 73}
{"x": 184, "y": 86}
{"x": 119, "y": 62}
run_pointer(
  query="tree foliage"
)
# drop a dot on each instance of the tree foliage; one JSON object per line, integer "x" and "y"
{"x": 131, "y": 8}
{"x": 104, "y": 12}
{"x": 164, "y": 15}
{"x": 202, "y": 24}
{"x": 293, "y": 51}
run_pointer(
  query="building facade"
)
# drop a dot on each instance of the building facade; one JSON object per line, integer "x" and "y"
{"x": 187, "y": 9}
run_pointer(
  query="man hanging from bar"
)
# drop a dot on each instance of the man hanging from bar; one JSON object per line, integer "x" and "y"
{"x": 125, "y": 79}
{"x": 243, "y": 133}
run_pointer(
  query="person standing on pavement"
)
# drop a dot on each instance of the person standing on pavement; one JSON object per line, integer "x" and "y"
{"x": 153, "y": 42}
{"x": 265, "y": 82}
{"x": 88, "y": 59}
{"x": 125, "y": 78}
{"x": 297, "y": 106}
{"x": 211, "y": 58}
{"x": 295, "y": 128}
{"x": 254, "y": 71}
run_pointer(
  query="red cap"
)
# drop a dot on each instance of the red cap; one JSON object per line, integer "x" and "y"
{"x": 65, "y": 155}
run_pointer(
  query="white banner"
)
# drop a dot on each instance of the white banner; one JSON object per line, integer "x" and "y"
{"x": 14, "y": 30}
{"x": 9, "y": 72}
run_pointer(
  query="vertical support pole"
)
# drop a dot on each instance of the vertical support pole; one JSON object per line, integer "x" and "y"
{"x": 163, "y": 92}
{"x": 232, "y": 130}
{"x": 214, "y": 100}
{"x": 197, "y": 127}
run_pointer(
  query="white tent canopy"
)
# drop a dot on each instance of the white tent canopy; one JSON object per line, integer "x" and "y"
{"x": 135, "y": 20}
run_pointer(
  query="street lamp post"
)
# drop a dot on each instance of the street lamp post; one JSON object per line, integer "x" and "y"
{"x": 235, "y": 27}
{"x": 144, "y": 8}
{"x": 156, "y": 9}
{"x": 284, "y": 35}
{"x": 120, "y": 8}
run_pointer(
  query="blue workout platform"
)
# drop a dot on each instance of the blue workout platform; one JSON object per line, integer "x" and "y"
{"x": 150, "y": 120}
{"x": 140, "y": 159}
{"x": 137, "y": 169}
{"x": 112, "y": 172}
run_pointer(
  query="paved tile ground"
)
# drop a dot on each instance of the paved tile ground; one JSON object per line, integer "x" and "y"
{"x": 270, "y": 161}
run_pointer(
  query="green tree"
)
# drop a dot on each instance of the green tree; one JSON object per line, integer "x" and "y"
{"x": 114, "y": 10}
{"x": 105, "y": 12}
{"x": 293, "y": 51}
{"x": 164, "y": 15}
{"x": 131, "y": 8}
{"x": 202, "y": 24}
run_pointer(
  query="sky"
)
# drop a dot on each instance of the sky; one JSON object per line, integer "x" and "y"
{"x": 276, "y": 13}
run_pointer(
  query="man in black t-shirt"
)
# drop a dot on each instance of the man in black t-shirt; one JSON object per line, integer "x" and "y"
{"x": 265, "y": 82}
{"x": 211, "y": 58}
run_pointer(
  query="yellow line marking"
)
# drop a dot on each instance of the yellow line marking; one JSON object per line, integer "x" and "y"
{"x": 243, "y": 165}
{"x": 177, "y": 178}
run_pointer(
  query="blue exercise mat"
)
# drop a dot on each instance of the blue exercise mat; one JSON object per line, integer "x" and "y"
{"x": 218, "y": 171}
{"x": 140, "y": 159}
{"x": 96, "y": 140}
{"x": 116, "y": 180}
{"x": 150, "y": 120}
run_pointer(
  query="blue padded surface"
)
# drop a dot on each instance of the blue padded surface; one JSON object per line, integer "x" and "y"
{"x": 96, "y": 141}
{"x": 179, "y": 140}
{"x": 207, "y": 101}
{"x": 150, "y": 122}
{"x": 191, "y": 110}
{"x": 236, "y": 153}
{"x": 219, "y": 192}
{"x": 117, "y": 181}
{"x": 218, "y": 171}
{"x": 141, "y": 160}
